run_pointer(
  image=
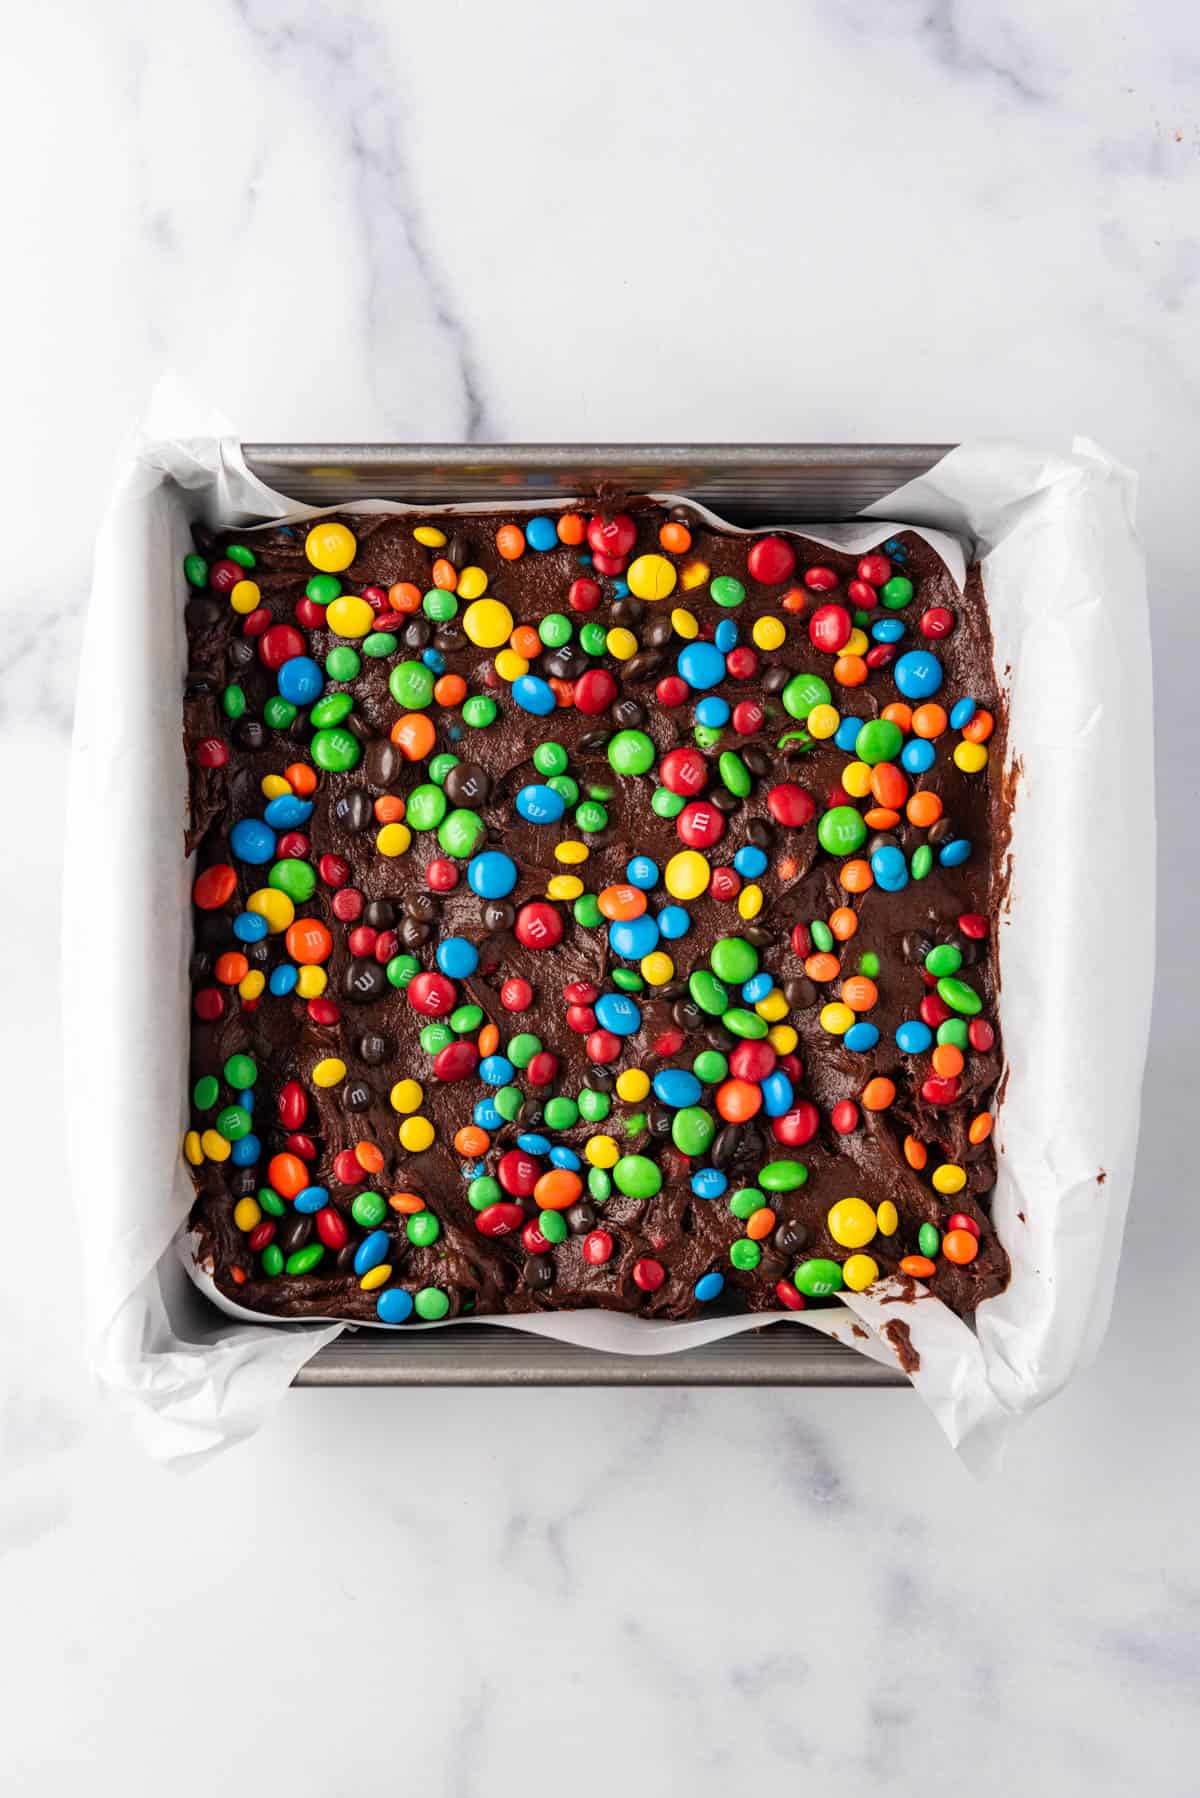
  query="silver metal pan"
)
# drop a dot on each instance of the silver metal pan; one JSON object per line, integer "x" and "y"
{"x": 750, "y": 484}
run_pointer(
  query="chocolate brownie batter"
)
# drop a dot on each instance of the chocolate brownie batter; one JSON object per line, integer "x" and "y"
{"x": 768, "y": 1062}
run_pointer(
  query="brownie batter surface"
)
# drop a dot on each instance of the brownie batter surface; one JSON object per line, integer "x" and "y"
{"x": 485, "y": 1079}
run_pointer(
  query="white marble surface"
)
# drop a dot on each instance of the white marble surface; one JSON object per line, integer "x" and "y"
{"x": 924, "y": 219}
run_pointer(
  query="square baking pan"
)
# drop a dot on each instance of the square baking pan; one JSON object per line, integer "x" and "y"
{"x": 749, "y": 484}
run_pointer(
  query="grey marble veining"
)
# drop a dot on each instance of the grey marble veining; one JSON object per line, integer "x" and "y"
{"x": 918, "y": 221}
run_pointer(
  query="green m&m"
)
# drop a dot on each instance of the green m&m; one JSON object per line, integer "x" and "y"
{"x": 411, "y": 685}
{"x": 692, "y": 1130}
{"x": 707, "y": 992}
{"x": 461, "y": 832}
{"x": 802, "y": 693}
{"x": 818, "y": 1278}
{"x": 550, "y": 758}
{"x": 278, "y": 712}
{"x": 841, "y": 830}
{"x": 745, "y": 1254}
{"x": 343, "y": 663}
{"x": 637, "y": 1176}
{"x": 631, "y": 752}
{"x": 733, "y": 959}
{"x": 336, "y": 751}
{"x": 426, "y": 807}
{"x": 782, "y": 1176}
{"x": 479, "y": 711}
{"x": 959, "y": 996}
{"x": 879, "y": 740}
{"x": 295, "y": 878}
{"x": 331, "y": 709}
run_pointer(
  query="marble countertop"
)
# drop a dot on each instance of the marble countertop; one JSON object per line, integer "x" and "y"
{"x": 917, "y": 221}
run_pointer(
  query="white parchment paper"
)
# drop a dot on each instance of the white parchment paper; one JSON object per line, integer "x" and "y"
{"x": 1066, "y": 592}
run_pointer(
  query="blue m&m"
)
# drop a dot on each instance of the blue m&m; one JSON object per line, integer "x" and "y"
{"x": 677, "y": 1087}
{"x": 457, "y": 957}
{"x": 288, "y": 812}
{"x": 701, "y": 665}
{"x": 534, "y": 695}
{"x": 394, "y": 1305}
{"x": 673, "y": 922}
{"x": 300, "y": 680}
{"x": 778, "y": 1094}
{"x": 713, "y": 713}
{"x": 252, "y": 841}
{"x": 918, "y": 755}
{"x": 371, "y": 1252}
{"x": 618, "y": 1013}
{"x": 631, "y": 938}
{"x": 540, "y": 805}
{"x": 890, "y": 869}
{"x": 918, "y": 674}
{"x": 887, "y": 630}
{"x": 750, "y": 861}
{"x": 492, "y": 875}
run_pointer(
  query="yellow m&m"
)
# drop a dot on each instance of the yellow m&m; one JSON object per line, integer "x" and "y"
{"x": 349, "y": 616}
{"x": 244, "y": 596}
{"x": 247, "y": 1214}
{"x": 852, "y": 1223}
{"x": 329, "y": 1072}
{"x": 488, "y": 623}
{"x": 472, "y": 582}
{"x": 416, "y": 1134}
{"x": 836, "y": 1018}
{"x": 651, "y": 577}
{"x": 823, "y": 721}
{"x": 687, "y": 874}
{"x": 972, "y": 758}
{"x": 602, "y": 1151}
{"x": 274, "y": 906}
{"x": 393, "y": 839}
{"x": 769, "y": 633}
{"x": 633, "y": 1085}
{"x": 657, "y": 967}
{"x": 330, "y": 547}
